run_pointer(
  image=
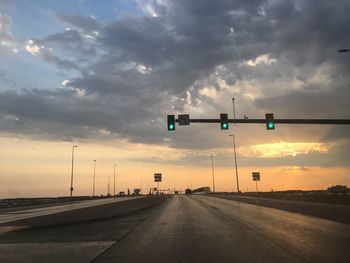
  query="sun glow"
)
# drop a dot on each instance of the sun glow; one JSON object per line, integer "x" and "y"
{"x": 283, "y": 149}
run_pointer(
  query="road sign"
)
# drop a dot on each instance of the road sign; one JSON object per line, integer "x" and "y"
{"x": 157, "y": 177}
{"x": 256, "y": 176}
{"x": 184, "y": 119}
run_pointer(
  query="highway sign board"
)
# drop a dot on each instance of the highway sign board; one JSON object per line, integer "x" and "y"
{"x": 184, "y": 119}
{"x": 256, "y": 176}
{"x": 157, "y": 177}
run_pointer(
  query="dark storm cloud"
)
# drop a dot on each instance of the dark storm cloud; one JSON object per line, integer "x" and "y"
{"x": 60, "y": 63}
{"x": 138, "y": 69}
{"x": 6, "y": 80}
{"x": 87, "y": 24}
{"x": 314, "y": 102}
{"x": 69, "y": 42}
{"x": 341, "y": 133}
{"x": 42, "y": 112}
{"x": 310, "y": 103}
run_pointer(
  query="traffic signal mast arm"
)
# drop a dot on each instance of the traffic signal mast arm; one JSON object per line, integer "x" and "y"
{"x": 282, "y": 121}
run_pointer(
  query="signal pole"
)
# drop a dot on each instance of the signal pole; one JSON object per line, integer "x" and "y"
{"x": 234, "y": 144}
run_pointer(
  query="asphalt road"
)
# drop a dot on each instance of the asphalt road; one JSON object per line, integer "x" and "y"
{"x": 187, "y": 229}
{"x": 6, "y": 217}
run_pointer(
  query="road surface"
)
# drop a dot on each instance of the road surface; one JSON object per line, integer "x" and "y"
{"x": 187, "y": 229}
{"x": 335, "y": 212}
{"x": 6, "y": 217}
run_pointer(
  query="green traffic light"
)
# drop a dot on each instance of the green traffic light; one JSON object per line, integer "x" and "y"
{"x": 171, "y": 126}
{"x": 223, "y": 121}
{"x": 270, "y": 123}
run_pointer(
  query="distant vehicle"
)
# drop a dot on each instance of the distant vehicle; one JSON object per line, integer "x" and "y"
{"x": 188, "y": 191}
{"x": 121, "y": 193}
{"x": 137, "y": 191}
{"x": 176, "y": 192}
{"x": 201, "y": 190}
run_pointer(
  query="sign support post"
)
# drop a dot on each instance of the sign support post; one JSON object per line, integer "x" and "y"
{"x": 157, "y": 178}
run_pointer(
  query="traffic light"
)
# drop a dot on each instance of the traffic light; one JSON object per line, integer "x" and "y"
{"x": 270, "y": 122}
{"x": 171, "y": 122}
{"x": 224, "y": 121}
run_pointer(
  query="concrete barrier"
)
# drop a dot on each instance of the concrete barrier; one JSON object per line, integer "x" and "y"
{"x": 91, "y": 213}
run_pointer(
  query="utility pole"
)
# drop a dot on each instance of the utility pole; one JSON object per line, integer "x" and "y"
{"x": 212, "y": 170}
{"x": 71, "y": 177}
{"x": 93, "y": 183}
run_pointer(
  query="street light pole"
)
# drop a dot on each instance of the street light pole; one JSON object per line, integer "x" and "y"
{"x": 212, "y": 170}
{"x": 234, "y": 151}
{"x": 114, "y": 180}
{"x": 233, "y": 106}
{"x": 71, "y": 177}
{"x": 109, "y": 181}
{"x": 93, "y": 185}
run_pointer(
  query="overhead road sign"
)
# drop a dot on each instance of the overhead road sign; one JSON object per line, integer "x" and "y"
{"x": 184, "y": 119}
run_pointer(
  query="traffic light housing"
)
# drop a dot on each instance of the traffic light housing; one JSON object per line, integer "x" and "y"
{"x": 270, "y": 122}
{"x": 224, "y": 121}
{"x": 171, "y": 122}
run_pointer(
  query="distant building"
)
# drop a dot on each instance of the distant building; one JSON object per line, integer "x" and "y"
{"x": 338, "y": 189}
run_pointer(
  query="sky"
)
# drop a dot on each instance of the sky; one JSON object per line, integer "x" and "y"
{"x": 103, "y": 75}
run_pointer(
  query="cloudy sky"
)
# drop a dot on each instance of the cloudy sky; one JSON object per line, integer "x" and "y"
{"x": 103, "y": 75}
